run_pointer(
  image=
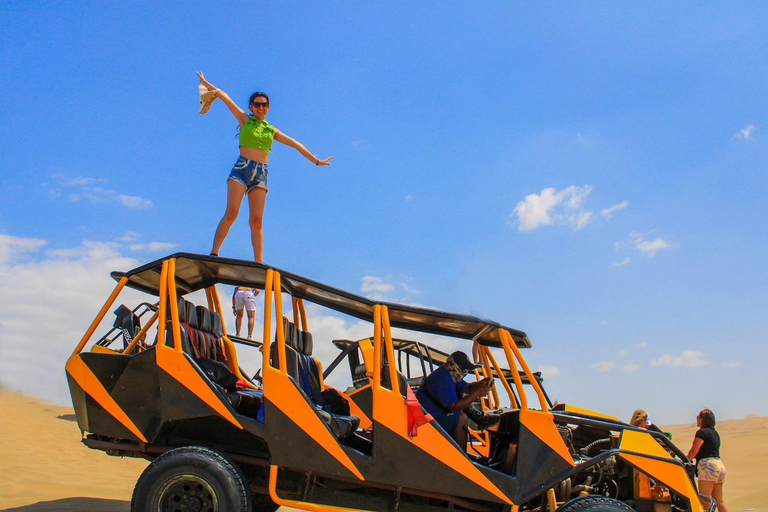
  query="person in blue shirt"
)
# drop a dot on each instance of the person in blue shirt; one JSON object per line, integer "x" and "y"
{"x": 445, "y": 395}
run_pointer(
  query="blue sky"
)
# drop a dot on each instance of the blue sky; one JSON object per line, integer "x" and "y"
{"x": 593, "y": 174}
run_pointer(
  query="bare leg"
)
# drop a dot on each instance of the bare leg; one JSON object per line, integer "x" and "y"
{"x": 238, "y": 320}
{"x": 476, "y": 352}
{"x": 251, "y": 322}
{"x": 705, "y": 488}
{"x": 717, "y": 495}
{"x": 256, "y": 200}
{"x": 460, "y": 434}
{"x": 235, "y": 193}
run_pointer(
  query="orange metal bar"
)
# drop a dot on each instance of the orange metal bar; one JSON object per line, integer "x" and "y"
{"x": 389, "y": 347}
{"x": 278, "y": 289}
{"x": 377, "y": 346}
{"x": 505, "y": 341}
{"x": 528, "y": 373}
{"x": 295, "y": 304}
{"x": 301, "y": 505}
{"x": 504, "y": 382}
{"x": 176, "y": 326}
{"x": 214, "y": 295}
{"x": 484, "y": 351}
{"x": 100, "y": 316}
{"x": 304, "y": 321}
{"x": 265, "y": 347}
{"x": 140, "y": 335}
{"x": 161, "y": 312}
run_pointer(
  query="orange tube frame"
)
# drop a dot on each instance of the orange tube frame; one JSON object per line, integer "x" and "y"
{"x": 302, "y": 505}
{"x": 100, "y": 316}
{"x": 265, "y": 348}
{"x": 513, "y": 402}
{"x": 161, "y": 311}
{"x": 528, "y": 373}
{"x": 513, "y": 368}
{"x": 389, "y": 347}
{"x": 272, "y": 286}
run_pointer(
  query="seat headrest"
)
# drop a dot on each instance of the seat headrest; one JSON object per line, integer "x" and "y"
{"x": 216, "y": 327}
{"x": 183, "y": 311}
{"x": 192, "y": 317}
{"x": 204, "y": 320}
{"x": 307, "y": 342}
{"x": 187, "y": 313}
{"x": 300, "y": 341}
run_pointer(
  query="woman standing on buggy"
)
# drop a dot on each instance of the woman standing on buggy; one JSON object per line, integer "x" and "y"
{"x": 250, "y": 173}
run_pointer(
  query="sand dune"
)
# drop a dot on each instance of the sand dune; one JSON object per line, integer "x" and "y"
{"x": 45, "y": 468}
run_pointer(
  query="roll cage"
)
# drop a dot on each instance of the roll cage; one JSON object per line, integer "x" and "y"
{"x": 314, "y": 456}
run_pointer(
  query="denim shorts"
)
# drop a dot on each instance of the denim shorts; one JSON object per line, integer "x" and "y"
{"x": 250, "y": 173}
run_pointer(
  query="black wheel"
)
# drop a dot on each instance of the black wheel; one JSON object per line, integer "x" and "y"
{"x": 594, "y": 503}
{"x": 191, "y": 479}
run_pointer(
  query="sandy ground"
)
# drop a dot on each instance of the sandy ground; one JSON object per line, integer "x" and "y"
{"x": 45, "y": 468}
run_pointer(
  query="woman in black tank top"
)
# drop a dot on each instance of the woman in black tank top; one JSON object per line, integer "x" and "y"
{"x": 706, "y": 451}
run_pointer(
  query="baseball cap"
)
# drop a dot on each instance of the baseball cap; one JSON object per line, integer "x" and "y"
{"x": 461, "y": 359}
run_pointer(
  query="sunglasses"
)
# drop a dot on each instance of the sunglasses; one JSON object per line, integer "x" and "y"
{"x": 258, "y": 104}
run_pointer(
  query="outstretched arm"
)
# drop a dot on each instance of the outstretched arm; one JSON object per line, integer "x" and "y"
{"x": 284, "y": 139}
{"x": 239, "y": 114}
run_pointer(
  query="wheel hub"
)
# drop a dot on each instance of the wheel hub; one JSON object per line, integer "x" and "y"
{"x": 187, "y": 493}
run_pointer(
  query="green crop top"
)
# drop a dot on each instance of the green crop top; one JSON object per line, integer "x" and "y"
{"x": 257, "y": 134}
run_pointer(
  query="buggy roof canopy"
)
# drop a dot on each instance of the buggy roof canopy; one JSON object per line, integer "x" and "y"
{"x": 437, "y": 357}
{"x": 195, "y": 272}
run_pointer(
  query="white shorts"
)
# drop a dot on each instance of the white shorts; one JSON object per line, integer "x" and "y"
{"x": 245, "y": 299}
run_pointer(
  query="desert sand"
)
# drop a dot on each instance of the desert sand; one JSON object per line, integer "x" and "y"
{"x": 45, "y": 468}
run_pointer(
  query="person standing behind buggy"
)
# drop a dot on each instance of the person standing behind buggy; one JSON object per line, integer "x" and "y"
{"x": 445, "y": 395}
{"x": 249, "y": 175}
{"x": 244, "y": 301}
{"x": 706, "y": 451}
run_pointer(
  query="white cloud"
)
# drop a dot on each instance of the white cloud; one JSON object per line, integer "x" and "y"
{"x": 630, "y": 368}
{"x": 732, "y": 364}
{"x": 409, "y": 290}
{"x": 85, "y": 190}
{"x": 688, "y": 359}
{"x": 134, "y": 202}
{"x": 46, "y": 304}
{"x": 153, "y": 247}
{"x": 642, "y": 344}
{"x": 649, "y": 248}
{"x": 549, "y": 372}
{"x": 621, "y": 263}
{"x": 602, "y": 366}
{"x": 409, "y": 197}
{"x": 80, "y": 181}
{"x": 622, "y": 353}
{"x": 553, "y": 208}
{"x": 372, "y": 284}
{"x": 746, "y": 133}
{"x": 608, "y": 212}
{"x": 129, "y": 236}
{"x": 12, "y": 247}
